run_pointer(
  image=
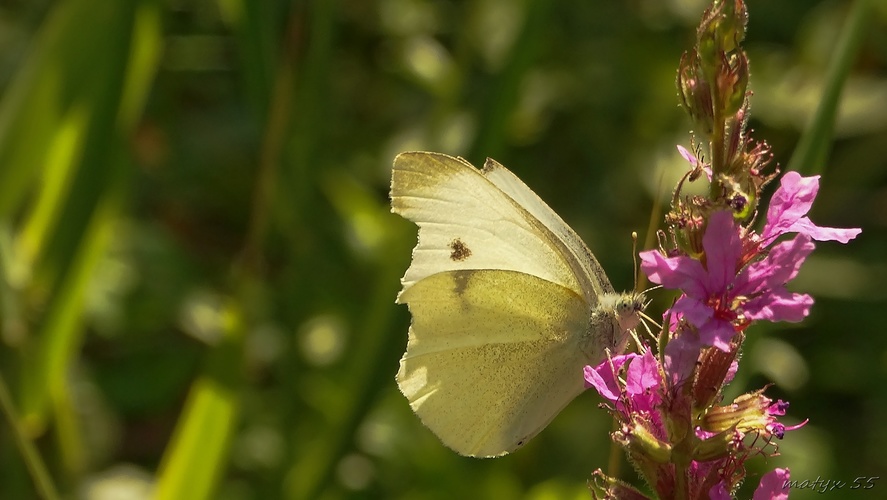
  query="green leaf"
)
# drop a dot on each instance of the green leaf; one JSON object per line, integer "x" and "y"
{"x": 813, "y": 148}
{"x": 68, "y": 142}
{"x": 196, "y": 458}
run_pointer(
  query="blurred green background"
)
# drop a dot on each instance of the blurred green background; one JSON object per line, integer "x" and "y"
{"x": 199, "y": 264}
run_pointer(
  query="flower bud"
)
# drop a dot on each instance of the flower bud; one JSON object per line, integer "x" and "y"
{"x": 713, "y": 373}
{"x": 604, "y": 487}
{"x": 748, "y": 411}
{"x": 733, "y": 82}
{"x": 641, "y": 443}
{"x": 695, "y": 93}
{"x": 707, "y": 46}
{"x": 715, "y": 446}
{"x": 731, "y": 25}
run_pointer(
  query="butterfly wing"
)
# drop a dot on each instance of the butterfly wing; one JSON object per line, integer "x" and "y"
{"x": 492, "y": 357}
{"x": 503, "y": 296}
{"x": 466, "y": 222}
{"x": 595, "y": 281}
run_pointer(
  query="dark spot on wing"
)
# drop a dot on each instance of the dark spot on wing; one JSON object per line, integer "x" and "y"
{"x": 460, "y": 252}
{"x": 460, "y": 281}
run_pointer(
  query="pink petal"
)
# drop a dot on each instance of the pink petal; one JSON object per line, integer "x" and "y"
{"x": 819, "y": 233}
{"x": 779, "y": 305}
{"x": 779, "y": 267}
{"x": 791, "y": 201}
{"x": 719, "y": 492}
{"x": 603, "y": 376}
{"x": 731, "y": 372}
{"x": 693, "y": 310}
{"x": 681, "y": 354}
{"x": 773, "y": 486}
{"x": 722, "y": 250}
{"x": 676, "y": 273}
{"x": 690, "y": 157}
{"x": 642, "y": 374}
{"x": 717, "y": 333}
{"x": 788, "y": 209}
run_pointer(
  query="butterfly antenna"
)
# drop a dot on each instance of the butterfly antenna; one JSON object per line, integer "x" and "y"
{"x": 634, "y": 258}
{"x": 646, "y": 320}
{"x": 641, "y": 347}
{"x": 654, "y": 287}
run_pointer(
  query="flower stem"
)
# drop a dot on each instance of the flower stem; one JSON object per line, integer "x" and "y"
{"x": 29, "y": 453}
{"x": 681, "y": 467}
{"x": 717, "y": 150}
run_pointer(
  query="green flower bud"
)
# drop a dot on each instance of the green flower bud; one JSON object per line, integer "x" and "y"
{"x": 735, "y": 84}
{"x": 640, "y": 442}
{"x": 695, "y": 93}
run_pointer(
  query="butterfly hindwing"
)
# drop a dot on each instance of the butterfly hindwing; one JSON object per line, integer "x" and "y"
{"x": 487, "y": 371}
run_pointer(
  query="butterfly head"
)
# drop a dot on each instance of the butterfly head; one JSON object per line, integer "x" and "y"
{"x": 628, "y": 308}
{"x": 613, "y": 321}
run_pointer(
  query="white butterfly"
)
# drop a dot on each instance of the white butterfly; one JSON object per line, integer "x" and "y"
{"x": 508, "y": 305}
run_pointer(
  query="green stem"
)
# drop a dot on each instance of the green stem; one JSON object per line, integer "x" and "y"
{"x": 717, "y": 137}
{"x": 812, "y": 150}
{"x": 681, "y": 463}
{"x": 32, "y": 459}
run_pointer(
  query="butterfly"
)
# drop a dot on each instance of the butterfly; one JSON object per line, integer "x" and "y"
{"x": 508, "y": 305}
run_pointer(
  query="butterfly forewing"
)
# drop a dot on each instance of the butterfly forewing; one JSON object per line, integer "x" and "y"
{"x": 595, "y": 281}
{"x": 466, "y": 222}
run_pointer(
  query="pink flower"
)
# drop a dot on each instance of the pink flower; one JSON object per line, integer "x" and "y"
{"x": 637, "y": 400}
{"x": 710, "y": 297}
{"x": 722, "y": 296}
{"x": 639, "y": 391}
{"x": 604, "y": 377}
{"x": 788, "y": 212}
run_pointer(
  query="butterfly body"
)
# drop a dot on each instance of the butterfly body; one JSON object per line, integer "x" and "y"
{"x": 508, "y": 305}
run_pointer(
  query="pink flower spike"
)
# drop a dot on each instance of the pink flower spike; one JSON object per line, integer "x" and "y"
{"x": 773, "y": 486}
